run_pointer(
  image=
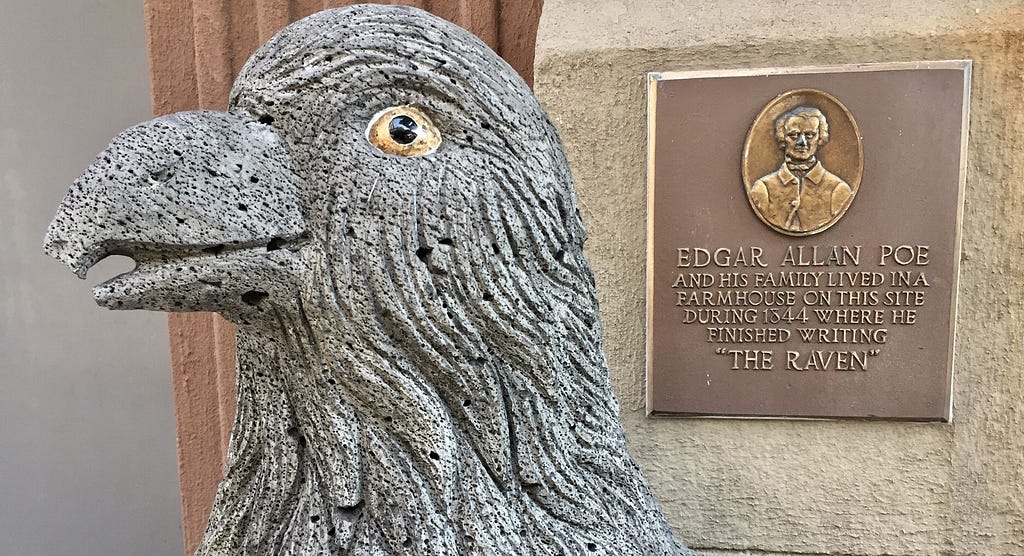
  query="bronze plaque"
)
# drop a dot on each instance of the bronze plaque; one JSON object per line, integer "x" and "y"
{"x": 803, "y": 240}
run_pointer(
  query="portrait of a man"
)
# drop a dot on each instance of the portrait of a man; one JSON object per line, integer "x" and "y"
{"x": 801, "y": 196}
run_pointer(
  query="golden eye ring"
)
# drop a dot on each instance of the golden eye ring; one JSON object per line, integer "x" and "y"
{"x": 403, "y": 131}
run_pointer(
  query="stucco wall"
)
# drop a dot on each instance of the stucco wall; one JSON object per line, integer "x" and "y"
{"x": 797, "y": 487}
{"x": 87, "y": 462}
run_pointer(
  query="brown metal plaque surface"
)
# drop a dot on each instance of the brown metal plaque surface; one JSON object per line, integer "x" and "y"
{"x": 803, "y": 240}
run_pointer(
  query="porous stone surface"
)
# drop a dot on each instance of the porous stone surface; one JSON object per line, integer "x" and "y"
{"x": 189, "y": 196}
{"x": 419, "y": 349}
{"x": 769, "y": 487}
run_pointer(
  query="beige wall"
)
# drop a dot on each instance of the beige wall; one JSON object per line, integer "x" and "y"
{"x": 87, "y": 463}
{"x": 793, "y": 487}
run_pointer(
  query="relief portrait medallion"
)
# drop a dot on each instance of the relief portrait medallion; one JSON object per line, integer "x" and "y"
{"x": 802, "y": 162}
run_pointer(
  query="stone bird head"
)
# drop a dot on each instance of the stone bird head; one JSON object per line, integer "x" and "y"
{"x": 387, "y": 214}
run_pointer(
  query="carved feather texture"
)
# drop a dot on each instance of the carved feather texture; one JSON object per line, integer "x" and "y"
{"x": 420, "y": 369}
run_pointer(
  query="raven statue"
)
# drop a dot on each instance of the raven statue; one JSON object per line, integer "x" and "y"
{"x": 387, "y": 214}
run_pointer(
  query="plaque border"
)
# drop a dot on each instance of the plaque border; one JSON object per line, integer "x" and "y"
{"x": 653, "y": 78}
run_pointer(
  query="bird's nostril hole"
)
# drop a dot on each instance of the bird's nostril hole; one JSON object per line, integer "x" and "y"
{"x": 253, "y": 297}
{"x": 275, "y": 244}
{"x": 163, "y": 175}
{"x": 423, "y": 253}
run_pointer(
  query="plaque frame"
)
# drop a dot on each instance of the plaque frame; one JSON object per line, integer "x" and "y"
{"x": 943, "y": 414}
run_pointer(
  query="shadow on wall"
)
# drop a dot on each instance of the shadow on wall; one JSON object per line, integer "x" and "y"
{"x": 87, "y": 464}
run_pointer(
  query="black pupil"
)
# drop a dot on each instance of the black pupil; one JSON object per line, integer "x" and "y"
{"x": 403, "y": 129}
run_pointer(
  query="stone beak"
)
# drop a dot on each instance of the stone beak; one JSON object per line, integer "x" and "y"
{"x": 187, "y": 187}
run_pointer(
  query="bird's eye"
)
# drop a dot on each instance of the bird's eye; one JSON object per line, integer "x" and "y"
{"x": 403, "y": 131}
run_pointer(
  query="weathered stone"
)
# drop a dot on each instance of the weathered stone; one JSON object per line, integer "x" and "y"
{"x": 420, "y": 364}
